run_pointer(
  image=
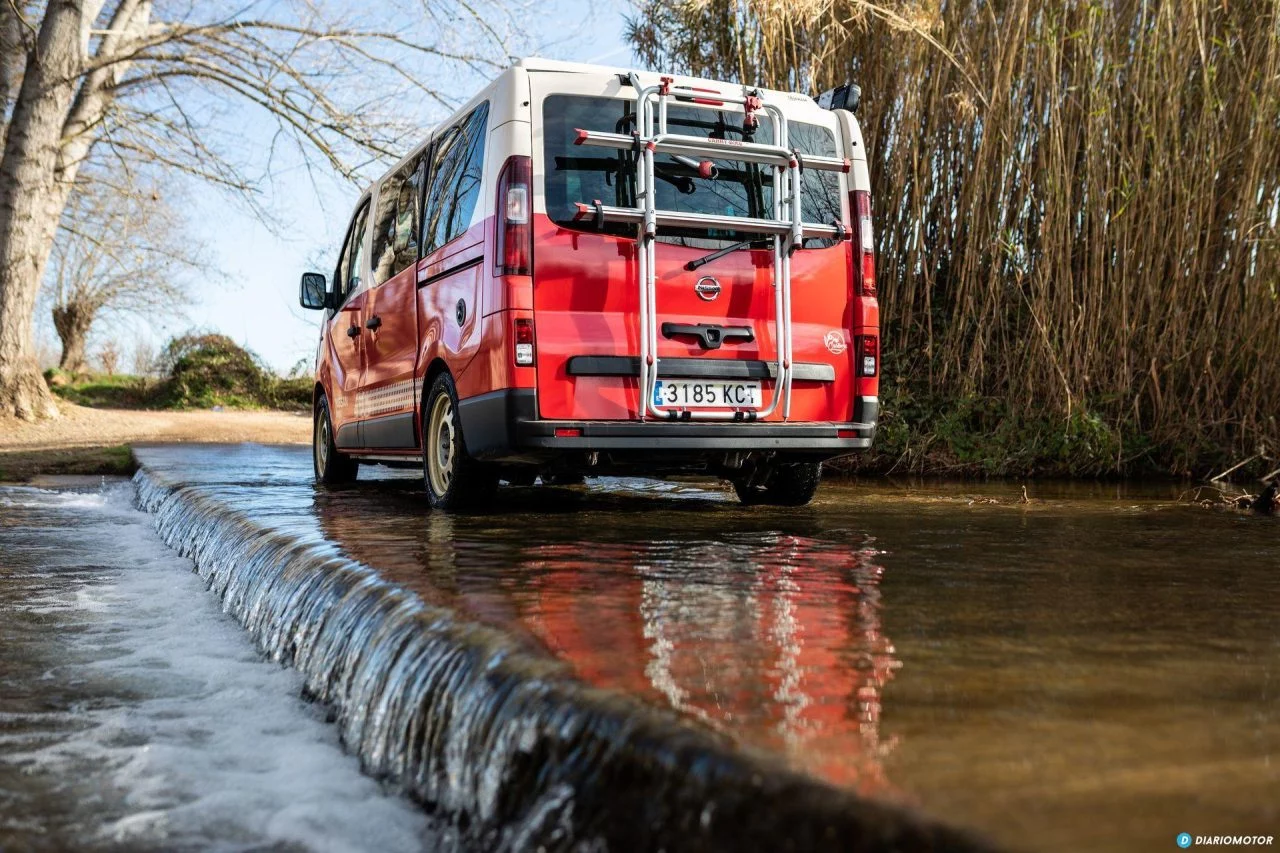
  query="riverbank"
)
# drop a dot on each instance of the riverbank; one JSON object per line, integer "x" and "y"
{"x": 972, "y": 437}
{"x": 97, "y": 441}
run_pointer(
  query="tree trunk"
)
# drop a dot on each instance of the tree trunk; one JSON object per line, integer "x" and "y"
{"x": 34, "y": 194}
{"x": 72, "y": 323}
{"x": 11, "y": 53}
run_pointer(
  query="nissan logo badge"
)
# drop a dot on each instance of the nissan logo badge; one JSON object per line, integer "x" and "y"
{"x": 707, "y": 288}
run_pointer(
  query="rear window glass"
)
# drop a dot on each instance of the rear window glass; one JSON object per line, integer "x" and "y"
{"x": 584, "y": 173}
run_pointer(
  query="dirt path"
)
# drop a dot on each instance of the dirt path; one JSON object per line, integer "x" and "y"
{"x": 94, "y": 441}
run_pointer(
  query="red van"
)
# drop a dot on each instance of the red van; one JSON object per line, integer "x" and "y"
{"x": 592, "y": 271}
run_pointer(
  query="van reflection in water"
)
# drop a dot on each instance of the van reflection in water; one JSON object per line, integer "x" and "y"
{"x": 778, "y": 645}
{"x": 772, "y": 639}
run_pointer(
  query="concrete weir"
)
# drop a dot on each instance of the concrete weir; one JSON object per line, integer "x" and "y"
{"x": 502, "y": 744}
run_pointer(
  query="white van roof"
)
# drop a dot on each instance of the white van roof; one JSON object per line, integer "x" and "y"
{"x": 537, "y": 63}
{"x": 540, "y": 64}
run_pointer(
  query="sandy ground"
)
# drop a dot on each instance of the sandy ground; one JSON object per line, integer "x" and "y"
{"x": 93, "y": 441}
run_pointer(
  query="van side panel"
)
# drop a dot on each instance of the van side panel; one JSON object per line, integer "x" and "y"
{"x": 493, "y": 367}
{"x": 388, "y": 395}
{"x": 450, "y": 301}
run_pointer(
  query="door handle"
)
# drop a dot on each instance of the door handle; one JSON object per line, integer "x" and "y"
{"x": 373, "y": 322}
{"x": 353, "y": 331}
{"x": 709, "y": 336}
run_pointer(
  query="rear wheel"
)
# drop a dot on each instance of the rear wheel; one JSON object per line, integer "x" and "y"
{"x": 331, "y": 466}
{"x": 454, "y": 480}
{"x": 789, "y": 484}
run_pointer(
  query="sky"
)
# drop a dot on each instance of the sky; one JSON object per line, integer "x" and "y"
{"x": 255, "y": 298}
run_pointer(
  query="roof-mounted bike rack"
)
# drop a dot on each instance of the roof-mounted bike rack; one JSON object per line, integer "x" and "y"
{"x": 786, "y": 227}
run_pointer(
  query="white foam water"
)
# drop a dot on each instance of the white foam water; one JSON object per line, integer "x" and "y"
{"x": 153, "y": 722}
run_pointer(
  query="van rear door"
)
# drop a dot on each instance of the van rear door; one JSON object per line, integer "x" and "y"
{"x": 717, "y": 323}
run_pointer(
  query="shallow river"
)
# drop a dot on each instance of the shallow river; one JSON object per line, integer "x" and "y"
{"x": 1096, "y": 669}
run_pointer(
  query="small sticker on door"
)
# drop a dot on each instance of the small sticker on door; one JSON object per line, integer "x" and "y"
{"x": 835, "y": 342}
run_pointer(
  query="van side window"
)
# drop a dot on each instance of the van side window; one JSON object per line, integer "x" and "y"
{"x": 457, "y": 172}
{"x": 357, "y": 253}
{"x": 342, "y": 275}
{"x": 395, "y": 238}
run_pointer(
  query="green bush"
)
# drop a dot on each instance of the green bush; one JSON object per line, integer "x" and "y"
{"x": 201, "y": 370}
{"x": 212, "y": 370}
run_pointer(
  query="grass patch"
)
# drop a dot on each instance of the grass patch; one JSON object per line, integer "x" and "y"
{"x": 931, "y": 435}
{"x": 118, "y": 391}
{"x": 19, "y": 466}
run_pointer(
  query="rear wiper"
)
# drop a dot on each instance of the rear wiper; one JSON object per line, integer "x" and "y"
{"x": 720, "y": 253}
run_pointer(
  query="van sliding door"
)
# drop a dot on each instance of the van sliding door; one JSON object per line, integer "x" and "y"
{"x": 389, "y": 398}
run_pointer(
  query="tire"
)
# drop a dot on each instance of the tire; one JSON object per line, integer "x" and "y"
{"x": 790, "y": 484}
{"x": 332, "y": 467}
{"x": 453, "y": 480}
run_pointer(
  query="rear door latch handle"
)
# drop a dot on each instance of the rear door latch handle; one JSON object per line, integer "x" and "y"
{"x": 373, "y": 322}
{"x": 353, "y": 331}
{"x": 709, "y": 336}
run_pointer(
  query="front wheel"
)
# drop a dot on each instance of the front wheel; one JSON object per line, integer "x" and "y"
{"x": 453, "y": 479}
{"x": 331, "y": 466}
{"x": 789, "y": 484}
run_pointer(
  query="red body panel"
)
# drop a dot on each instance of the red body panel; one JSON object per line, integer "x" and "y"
{"x": 586, "y": 302}
{"x": 345, "y": 355}
{"x": 453, "y": 274}
{"x": 391, "y": 349}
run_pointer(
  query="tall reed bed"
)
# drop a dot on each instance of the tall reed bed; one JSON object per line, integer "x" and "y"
{"x": 1077, "y": 206}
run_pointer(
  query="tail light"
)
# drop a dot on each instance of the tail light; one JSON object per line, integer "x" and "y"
{"x": 864, "y": 246}
{"x": 867, "y": 348}
{"x": 524, "y": 342}
{"x": 513, "y": 253}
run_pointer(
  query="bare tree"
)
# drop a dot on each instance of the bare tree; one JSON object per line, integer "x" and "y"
{"x": 144, "y": 358}
{"x": 139, "y": 82}
{"x": 109, "y": 356}
{"x": 122, "y": 251}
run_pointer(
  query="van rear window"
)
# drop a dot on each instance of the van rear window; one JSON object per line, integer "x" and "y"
{"x": 583, "y": 173}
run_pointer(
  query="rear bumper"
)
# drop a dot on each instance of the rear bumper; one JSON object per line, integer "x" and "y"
{"x": 505, "y": 423}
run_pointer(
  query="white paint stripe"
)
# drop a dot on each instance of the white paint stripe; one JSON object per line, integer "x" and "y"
{"x": 388, "y": 398}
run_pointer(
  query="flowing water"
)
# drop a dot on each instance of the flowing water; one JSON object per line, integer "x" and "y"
{"x": 134, "y": 715}
{"x": 1096, "y": 669}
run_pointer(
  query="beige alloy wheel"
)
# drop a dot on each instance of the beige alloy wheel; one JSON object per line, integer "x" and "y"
{"x": 320, "y": 444}
{"x": 453, "y": 479}
{"x": 331, "y": 466}
{"x": 442, "y": 445}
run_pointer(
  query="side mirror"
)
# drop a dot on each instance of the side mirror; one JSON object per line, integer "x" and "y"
{"x": 313, "y": 293}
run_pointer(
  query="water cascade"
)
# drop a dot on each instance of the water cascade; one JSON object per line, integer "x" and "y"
{"x": 498, "y": 741}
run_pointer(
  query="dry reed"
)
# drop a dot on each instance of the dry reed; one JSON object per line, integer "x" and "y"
{"x": 1077, "y": 205}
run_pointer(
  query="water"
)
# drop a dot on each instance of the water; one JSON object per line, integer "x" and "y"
{"x": 1093, "y": 670}
{"x": 487, "y": 730}
{"x": 134, "y": 715}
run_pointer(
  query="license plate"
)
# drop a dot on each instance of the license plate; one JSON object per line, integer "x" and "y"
{"x": 690, "y": 394}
